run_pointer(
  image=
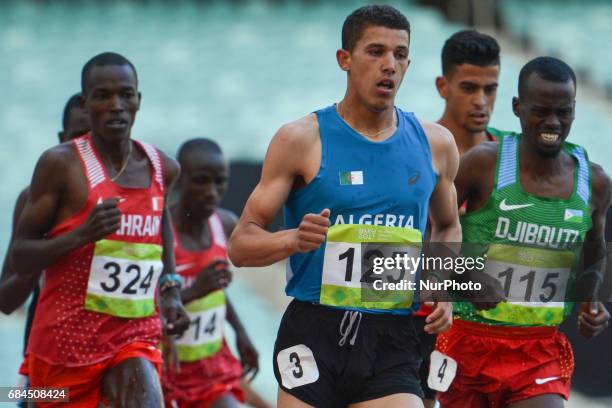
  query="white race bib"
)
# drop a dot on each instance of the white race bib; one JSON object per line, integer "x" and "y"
{"x": 535, "y": 281}
{"x": 123, "y": 278}
{"x": 297, "y": 366}
{"x": 348, "y": 266}
{"x": 204, "y": 337}
{"x": 442, "y": 371}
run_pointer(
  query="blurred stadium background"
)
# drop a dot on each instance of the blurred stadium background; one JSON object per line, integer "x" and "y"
{"x": 235, "y": 71}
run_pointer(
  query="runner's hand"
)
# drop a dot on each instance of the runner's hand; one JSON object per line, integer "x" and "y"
{"x": 593, "y": 318}
{"x": 173, "y": 316}
{"x": 103, "y": 220}
{"x": 312, "y": 231}
{"x": 249, "y": 357}
{"x": 214, "y": 276}
{"x": 440, "y": 319}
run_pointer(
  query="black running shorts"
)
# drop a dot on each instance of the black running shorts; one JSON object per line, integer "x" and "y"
{"x": 330, "y": 357}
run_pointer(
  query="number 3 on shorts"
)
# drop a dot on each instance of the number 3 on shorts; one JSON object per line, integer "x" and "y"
{"x": 297, "y": 366}
{"x": 442, "y": 370}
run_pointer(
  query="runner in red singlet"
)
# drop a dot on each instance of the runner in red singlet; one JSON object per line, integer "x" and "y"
{"x": 97, "y": 223}
{"x": 206, "y": 374}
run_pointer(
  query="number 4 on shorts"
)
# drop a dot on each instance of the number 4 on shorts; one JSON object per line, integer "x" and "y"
{"x": 442, "y": 370}
{"x": 297, "y": 366}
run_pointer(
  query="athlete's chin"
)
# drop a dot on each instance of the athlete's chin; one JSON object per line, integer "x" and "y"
{"x": 204, "y": 211}
{"x": 382, "y": 104}
{"x": 549, "y": 150}
{"x": 476, "y": 128}
{"x": 114, "y": 135}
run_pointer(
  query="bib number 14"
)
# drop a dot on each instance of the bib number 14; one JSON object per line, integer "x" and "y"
{"x": 204, "y": 327}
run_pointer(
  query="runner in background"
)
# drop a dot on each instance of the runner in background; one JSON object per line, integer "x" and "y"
{"x": 468, "y": 85}
{"x": 203, "y": 372}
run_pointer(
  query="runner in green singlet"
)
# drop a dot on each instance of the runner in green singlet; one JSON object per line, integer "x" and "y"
{"x": 534, "y": 201}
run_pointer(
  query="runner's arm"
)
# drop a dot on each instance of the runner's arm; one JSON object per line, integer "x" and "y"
{"x": 593, "y": 317}
{"x": 249, "y": 357}
{"x": 475, "y": 177}
{"x": 443, "y": 212}
{"x": 14, "y": 288}
{"x": 232, "y": 317}
{"x": 173, "y": 314}
{"x": 172, "y": 170}
{"x": 444, "y": 216}
{"x": 594, "y": 249}
{"x": 31, "y": 251}
{"x": 250, "y": 243}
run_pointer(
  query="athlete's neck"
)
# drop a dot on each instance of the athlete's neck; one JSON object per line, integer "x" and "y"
{"x": 371, "y": 124}
{"x": 464, "y": 139}
{"x": 113, "y": 154}
{"x": 189, "y": 225}
{"x": 540, "y": 166}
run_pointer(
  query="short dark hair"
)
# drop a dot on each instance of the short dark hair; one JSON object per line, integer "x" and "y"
{"x": 72, "y": 103}
{"x": 372, "y": 15}
{"x": 103, "y": 60}
{"x": 547, "y": 68}
{"x": 469, "y": 47}
{"x": 202, "y": 144}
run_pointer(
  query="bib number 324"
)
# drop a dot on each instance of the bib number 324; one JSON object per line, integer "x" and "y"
{"x": 123, "y": 278}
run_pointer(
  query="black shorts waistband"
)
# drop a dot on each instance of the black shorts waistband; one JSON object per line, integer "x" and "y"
{"x": 335, "y": 313}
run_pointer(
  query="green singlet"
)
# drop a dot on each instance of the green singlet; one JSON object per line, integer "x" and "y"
{"x": 532, "y": 244}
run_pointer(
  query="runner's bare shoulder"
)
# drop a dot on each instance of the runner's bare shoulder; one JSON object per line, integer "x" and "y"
{"x": 299, "y": 134}
{"x": 481, "y": 158}
{"x": 55, "y": 164}
{"x": 442, "y": 145}
{"x": 229, "y": 219}
{"x": 294, "y": 145}
{"x": 437, "y": 135}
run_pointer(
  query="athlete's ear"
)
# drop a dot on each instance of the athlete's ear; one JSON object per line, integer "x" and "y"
{"x": 344, "y": 59}
{"x": 516, "y": 105}
{"x": 139, "y": 100}
{"x": 441, "y": 85}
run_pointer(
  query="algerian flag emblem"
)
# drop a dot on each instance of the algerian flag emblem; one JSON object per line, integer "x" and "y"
{"x": 572, "y": 215}
{"x": 348, "y": 178}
